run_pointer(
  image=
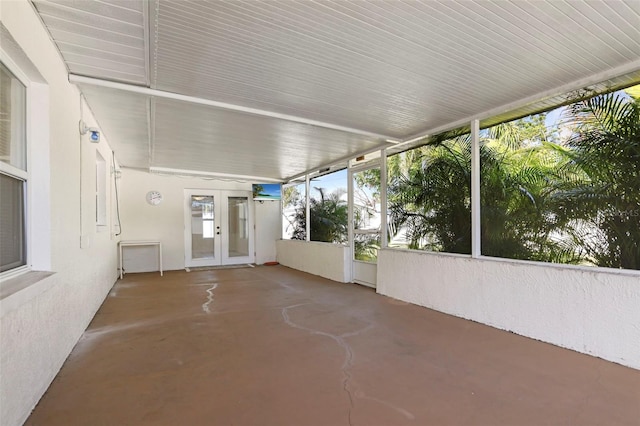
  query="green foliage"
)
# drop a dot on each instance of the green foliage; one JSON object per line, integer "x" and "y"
{"x": 328, "y": 218}
{"x": 519, "y": 172}
{"x": 291, "y": 196}
{"x": 604, "y": 206}
{"x": 569, "y": 194}
{"x": 429, "y": 195}
{"x": 545, "y": 198}
{"x": 370, "y": 179}
{"x": 366, "y": 247}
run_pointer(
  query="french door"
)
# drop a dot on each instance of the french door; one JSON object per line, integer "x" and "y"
{"x": 218, "y": 227}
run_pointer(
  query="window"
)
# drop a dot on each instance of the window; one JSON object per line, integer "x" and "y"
{"x": 327, "y": 206}
{"x": 564, "y": 186}
{"x": 429, "y": 195}
{"x": 13, "y": 171}
{"x": 293, "y": 200}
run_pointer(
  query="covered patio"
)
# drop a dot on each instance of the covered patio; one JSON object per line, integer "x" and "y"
{"x": 490, "y": 213}
{"x": 275, "y": 346}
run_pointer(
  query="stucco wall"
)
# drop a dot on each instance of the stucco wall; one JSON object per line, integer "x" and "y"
{"x": 165, "y": 222}
{"x": 593, "y": 312}
{"x": 324, "y": 259}
{"x": 40, "y": 324}
{"x": 268, "y": 230}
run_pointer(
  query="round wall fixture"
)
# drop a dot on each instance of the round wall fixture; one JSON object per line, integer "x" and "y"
{"x": 154, "y": 198}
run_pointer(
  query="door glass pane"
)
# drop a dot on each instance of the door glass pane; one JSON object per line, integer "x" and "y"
{"x": 202, "y": 227}
{"x": 366, "y": 214}
{"x": 12, "y": 247}
{"x": 366, "y": 247}
{"x": 238, "y": 226}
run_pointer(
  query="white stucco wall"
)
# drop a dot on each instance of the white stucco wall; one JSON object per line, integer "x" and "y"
{"x": 40, "y": 324}
{"x": 268, "y": 230}
{"x": 596, "y": 312}
{"x": 165, "y": 222}
{"x": 327, "y": 260}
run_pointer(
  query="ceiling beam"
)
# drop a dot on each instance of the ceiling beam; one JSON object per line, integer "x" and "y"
{"x": 78, "y": 79}
{"x": 211, "y": 175}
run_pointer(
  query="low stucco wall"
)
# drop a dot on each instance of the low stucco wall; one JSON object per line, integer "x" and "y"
{"x": 596, "y": 312}
{"x": 324, "y": 259}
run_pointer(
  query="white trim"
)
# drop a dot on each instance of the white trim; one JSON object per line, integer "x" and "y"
{"x": 307, "y": 208}
{"x": 350, "y": 221}
{"x": 221, "y": 239}
{"x": 384, "y": 208}
{"x": 39, "y": 185}
{"x": 12, "y": 273}
{"x": 37, "y": 217}
{"x": 14, "y": 68}
{"x": 221, "y": 176}
{"x": 77, "y": 79}
{"x": 358, "y": 274}
{"x": 476, "y": 242}
{"x": 560, "y": 266}
{"x": 13, "y": 171}
{"x": 429, "y": 252}
{"x": 340, "y": 160}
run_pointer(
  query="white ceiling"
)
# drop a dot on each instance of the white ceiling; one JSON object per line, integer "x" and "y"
{"x": 369, "y": 70}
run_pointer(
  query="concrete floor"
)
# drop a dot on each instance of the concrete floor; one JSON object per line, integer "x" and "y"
{"x": 273, "y": 346}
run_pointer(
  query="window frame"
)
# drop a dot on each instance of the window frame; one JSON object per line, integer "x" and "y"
{"x": 18, "y": 173}
{"x": 37, "y": 194}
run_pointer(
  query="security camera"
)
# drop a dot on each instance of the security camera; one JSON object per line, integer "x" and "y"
{"x": 94, "y": 133}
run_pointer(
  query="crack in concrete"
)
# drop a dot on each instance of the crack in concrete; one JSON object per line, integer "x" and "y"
{"x": 205, "y": 305}
{"x": 339, "y": 339}
{"x": 360, "y": 394}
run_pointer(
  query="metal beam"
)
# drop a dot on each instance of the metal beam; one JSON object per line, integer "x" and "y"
{"x": 78, "y": 79}
{"x": 211, "y": 175}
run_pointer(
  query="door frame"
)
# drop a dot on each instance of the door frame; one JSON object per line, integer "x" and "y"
{"x": 364, "y": 273}
{"x": 221, "y": 220}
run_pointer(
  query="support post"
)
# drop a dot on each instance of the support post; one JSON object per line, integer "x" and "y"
{"x": 475, "y": 190}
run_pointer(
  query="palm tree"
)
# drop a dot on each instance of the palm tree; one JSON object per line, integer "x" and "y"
{"x": 520, "y": 169}
{"x": 604, "y": 205}
{"x": 429, "y": 194}
{"x": 328, "y": 218}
